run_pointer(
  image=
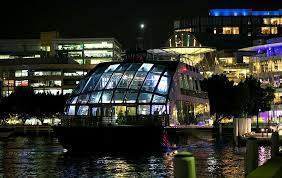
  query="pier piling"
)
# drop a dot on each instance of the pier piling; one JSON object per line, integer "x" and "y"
{"x": 184, "y": 165}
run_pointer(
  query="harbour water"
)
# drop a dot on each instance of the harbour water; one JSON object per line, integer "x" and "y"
{"x": 31, "y": 156}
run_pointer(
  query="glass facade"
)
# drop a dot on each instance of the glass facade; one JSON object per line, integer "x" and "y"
{"x": 122, "y": 90}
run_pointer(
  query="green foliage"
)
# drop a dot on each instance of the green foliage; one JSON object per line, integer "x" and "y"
{"x": 25, "y": 103}
{"x": 245, "y": 99}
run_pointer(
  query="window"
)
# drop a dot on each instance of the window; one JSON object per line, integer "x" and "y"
{"x": 131, "y": 96}
{"x": 158, "y": 110}
{"x": 91, "y": 83}
{"x": 103, "y": 44}
{"x": 131, "y": 111}
{"x": 103, "y": 81}
{"x": 114, "y": 80}
{"x": 126, "y": 79}
{"x": 74, "y": 73}
{"x": 273, "y": 21}
{"x": 145, "y": 67}
{"x": 138, "y": 80}
{"x": 118, "y": 96}
{"x": 70, "y": 47}
{"x": 83, "y": 99}
{"x": 163, "y": 85}
{"x": 71, "y": 110}
{"x": 231, "y": 30}
{"x": 159, "y": 99}
{"x": 95, "y": 97}
{"x": 83, "y": 110}
{"x": 150, "y": 82}
{"x": 22, "y": 83}
{"x": 76, "y": 54}
{"x": 269, "y": 30}
{"x": 144, "y": 98}
{"x": 98, "y": 53}
{"x": 107, "y": 96}
{"x": 144, "y": 109}
{"x": 21, "y": 73}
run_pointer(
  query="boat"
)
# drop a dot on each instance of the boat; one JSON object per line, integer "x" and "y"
{"x": 126, "y": 105}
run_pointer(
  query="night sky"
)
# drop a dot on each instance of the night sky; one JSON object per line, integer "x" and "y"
{"x": 108, "y": 18}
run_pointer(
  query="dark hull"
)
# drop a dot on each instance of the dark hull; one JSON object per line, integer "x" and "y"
{"x": 111, "y": 139}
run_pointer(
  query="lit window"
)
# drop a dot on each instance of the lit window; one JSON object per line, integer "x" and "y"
{"x": 163, "y": 85}
{"x": 159, "y": 99}
{"x": 126, "y": 79}
{"x": 98, "y": 53}
{"x": 158, "y": 110}
{"x": 114, "y": 80}
{"x": 150, "y": 82}
{"x": 103, "y": 44}
{"x": 144, "y": 98}
{"x": 95, "y": 97}
{"x": 138, "y": 80}
{"x": 107, "y": 96}
{"x": 145, "y": 67}
{"x": 131, "y": 111}
{"x": 21, "y": 73}
{"x": 269, "y": 30}
{"x": 83, "y": 99}
{"x": 231, "y": 30}
{"x": 71, "y": 110}
{"x": 83, "y": 110}
{"x": 23, "y": 83}
{"x": 131, "y": 97}
{"x": 118, "y": 96}
{"x": 144, "y": 109}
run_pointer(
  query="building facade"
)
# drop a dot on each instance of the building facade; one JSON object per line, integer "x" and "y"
{"x": 52, "y": 64}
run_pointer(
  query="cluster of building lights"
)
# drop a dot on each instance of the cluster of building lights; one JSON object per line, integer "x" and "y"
{"x": 243, "y": 12}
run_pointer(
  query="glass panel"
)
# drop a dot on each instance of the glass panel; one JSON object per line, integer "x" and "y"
{"x": 131, "y": 111}
{"x": 158, "y": 69}
{"x": 145, "y": 98}
{"x": 163, "y": 85}
{"x": 131, "y": 97}
{"x": 74, "y": 100}
{"x": 144, "y": 109}
{"x": 107, "y": 96}
{"x": 150, "y": 82}
{"x": 158, "y": 109}
{"x": 111, "y": 68}
{"x": 122, "y": 67}
{"x": 126, "y": 79}
{"x": 145, "y": 67}
{"x": 83, "y": 99}
{"x": 83, "y": 110}
{"x": 114, "y": 80}
{"x": 138, "y": 80}
{"x": 91, "y": 83}
{"x": 118, "y": 96}
{"x": 95, "y": 97}
{"x": 159, "y": 99}
{"x": 71, "y": 110}
{"x": 103, "y": 81}
{"x": 133, "y": 67}
{"x": 96, "y": 111}
{"x": 80, "y": 86}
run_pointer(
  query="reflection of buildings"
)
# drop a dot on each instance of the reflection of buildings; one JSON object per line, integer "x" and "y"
{"x": 227, "y": 30}
{"x": 52, "y": 64}
{"x": 131, "y": 93}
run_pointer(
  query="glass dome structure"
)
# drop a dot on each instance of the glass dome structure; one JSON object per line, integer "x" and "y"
{"x": 112, "y": 91}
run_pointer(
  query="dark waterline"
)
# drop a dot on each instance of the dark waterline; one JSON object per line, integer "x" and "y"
{"x": 45, "y": 157}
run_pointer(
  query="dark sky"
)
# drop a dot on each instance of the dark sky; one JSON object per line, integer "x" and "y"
{"x": 108, "y": 18}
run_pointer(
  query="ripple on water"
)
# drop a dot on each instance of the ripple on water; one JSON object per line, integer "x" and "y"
{"x": 44, "y": 157}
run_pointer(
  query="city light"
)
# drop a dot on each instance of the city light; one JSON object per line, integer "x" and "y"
{"x": 142, "y": 25}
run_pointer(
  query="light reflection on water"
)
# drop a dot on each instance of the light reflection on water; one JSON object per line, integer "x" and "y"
{"x": 44, "y": 157}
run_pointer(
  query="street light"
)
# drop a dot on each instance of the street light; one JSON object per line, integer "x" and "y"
{"x": 142, "y": 25}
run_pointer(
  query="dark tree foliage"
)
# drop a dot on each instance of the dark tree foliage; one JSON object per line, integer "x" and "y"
{"x": 242, "y": 100}
{"x": 25, "y": 103}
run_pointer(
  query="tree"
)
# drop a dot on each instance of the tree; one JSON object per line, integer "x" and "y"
{"x": 220, "y": 91}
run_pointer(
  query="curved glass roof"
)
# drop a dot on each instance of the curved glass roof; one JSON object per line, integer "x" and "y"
{"x": 114, "y": 83}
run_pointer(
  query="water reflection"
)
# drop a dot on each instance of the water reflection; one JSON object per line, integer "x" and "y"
{"x": 42, "y": 156}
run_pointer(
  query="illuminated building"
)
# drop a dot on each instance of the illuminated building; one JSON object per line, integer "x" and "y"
{"x": 155, "y": 90}
{"x": 191, "y": 51}
{"x": 233, "y": 28}
{"x": 52, "y": 64}
{"x": 266, "y": 65}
